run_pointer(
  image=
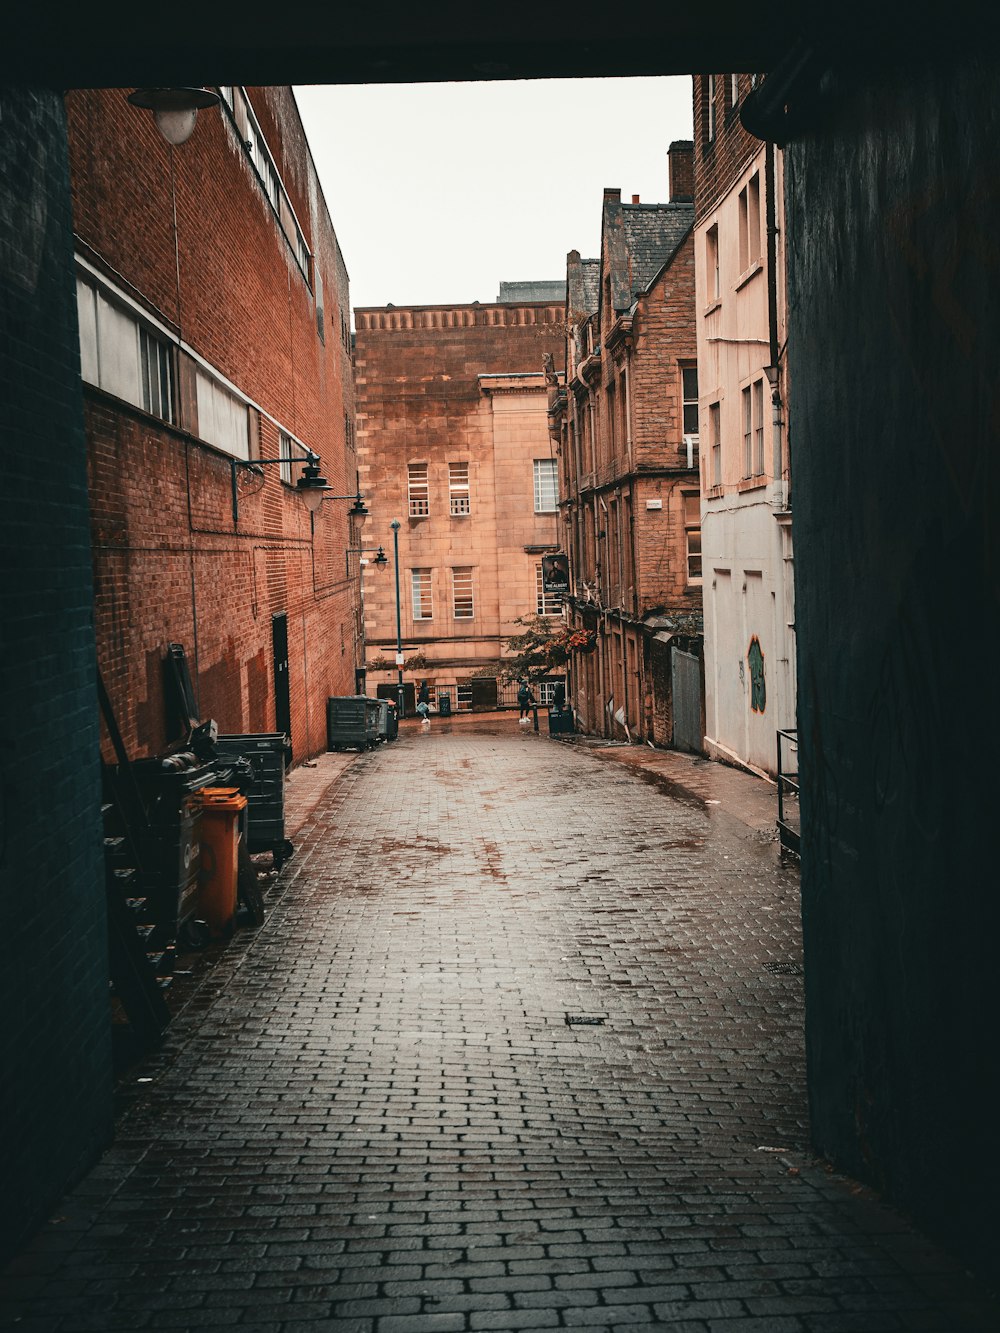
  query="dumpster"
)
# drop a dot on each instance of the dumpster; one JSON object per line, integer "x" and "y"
{"x": 351, "y": 722}
{"x": 266, "y": 753}
{"x": 220, "y": 811}
{"x": 387, "y": 726}
{"x": 444, "y": 703}
{"x": 561, "y": 721}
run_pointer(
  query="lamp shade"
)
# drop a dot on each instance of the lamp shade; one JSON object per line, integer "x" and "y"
{"x": 174, "y": 109}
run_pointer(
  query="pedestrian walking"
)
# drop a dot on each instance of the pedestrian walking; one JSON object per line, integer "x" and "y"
{"x": 424, "y": 703}
{"x": 525, "y": 701}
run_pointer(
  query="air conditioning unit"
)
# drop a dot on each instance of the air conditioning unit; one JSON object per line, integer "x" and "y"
{"x": 691, "y": 445}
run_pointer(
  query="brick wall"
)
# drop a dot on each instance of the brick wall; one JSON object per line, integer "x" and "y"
{"x": 169, "y": 563}
{"x": 55, "y": 1042}
{"x": 719, "y": 160}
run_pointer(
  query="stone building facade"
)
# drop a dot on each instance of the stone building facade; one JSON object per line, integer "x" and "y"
{"x": 745, "y": 474}
{"x": 214, "y": 330}
{"x": 453, "y": 443}
{"x": 628, "y": 436}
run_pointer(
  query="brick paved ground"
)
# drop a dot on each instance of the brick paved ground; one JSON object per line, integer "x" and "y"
{"x": 518, "y": 1046}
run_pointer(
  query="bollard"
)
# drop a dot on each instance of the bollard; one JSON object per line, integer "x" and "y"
{"x": 534, "y": 714}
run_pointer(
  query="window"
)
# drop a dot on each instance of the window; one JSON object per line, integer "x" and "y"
{"x": 692, "y": 531}
{"x": 461, "y": 592}
{"x": 610, "y": 395}
{"x": 734, "y": 91}
{"x": 257, "y": 150}
{"x": 758, "y": 428}
{"x": 546, "y": 603}
{"x": 747, "y": 433}
{"x": 156, "y": 370}
{"x": 458, "y": 488}
{"x": 750, "y": 223}
{"x": 688, "y": 391}
{"x": 713, "y": 284}
{"x": 122, "y": 356}
{"x": 420, "y": 588}
{"x": 223, "y": 419}
{"x": 417, "y": 490}
{"x": 290, "y": 449}
{"x": 710, "y": 94}
{"x": 715, "y": 428}
{"x": 546, "y": 486}
{"x": 320, "y": 312}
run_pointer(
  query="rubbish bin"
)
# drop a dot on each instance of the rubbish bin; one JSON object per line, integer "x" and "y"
{"x": 444, "y": 703}
{"x": 266, "y": 753}
{"x": 220, "y": 809}
{"x": 561, "y": 721}
{"x": 351, "y": 722}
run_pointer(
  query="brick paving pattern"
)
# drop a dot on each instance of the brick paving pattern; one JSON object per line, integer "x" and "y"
{"x": 519, "y": 1046}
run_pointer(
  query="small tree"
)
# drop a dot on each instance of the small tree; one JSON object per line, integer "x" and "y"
{"x": 540, "y": 649}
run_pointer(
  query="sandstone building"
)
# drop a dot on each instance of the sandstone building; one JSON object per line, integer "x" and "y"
{"x": 453, "y": 443}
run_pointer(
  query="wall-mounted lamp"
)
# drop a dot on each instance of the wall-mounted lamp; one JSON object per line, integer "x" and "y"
{"x": 312, "y": 486}
{"x": 380, "y": 558}
{"x": 175, "y": 110}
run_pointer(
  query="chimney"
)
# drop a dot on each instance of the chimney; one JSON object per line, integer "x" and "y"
{"x": 680, "y": 160}
{"x": 635, "y": 199}
{"x": 612, "y": 196}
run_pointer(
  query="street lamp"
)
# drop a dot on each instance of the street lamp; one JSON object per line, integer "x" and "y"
{"x": 174, "y": 109}
{"x": 395, "y": 525}
{"x": 312, "y": 487}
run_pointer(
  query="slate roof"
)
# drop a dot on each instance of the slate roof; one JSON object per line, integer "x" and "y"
{"x": 513, "y": 293}
{"x": 653, "y": 234}
{"x": 591, "y": 285}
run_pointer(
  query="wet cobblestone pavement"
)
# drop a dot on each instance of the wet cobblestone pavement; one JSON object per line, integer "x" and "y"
{"x": 518, "y": 1046}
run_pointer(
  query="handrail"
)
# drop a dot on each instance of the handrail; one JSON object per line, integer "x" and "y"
{"x": 788, "y": 787}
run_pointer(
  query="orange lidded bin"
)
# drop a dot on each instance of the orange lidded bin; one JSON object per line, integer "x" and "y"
{"x": 220, "y": 809}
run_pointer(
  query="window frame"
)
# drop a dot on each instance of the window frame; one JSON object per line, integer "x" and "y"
{"x": 715, "y": 437}
{"x": 467, "y": 578}
{"x": 459, "y": 490}
{"x": 692, "y": 533}
{"x": 421, "y": 595}
{"x": 758, "y": 427}
{"x": 713, "y": 269}
{"x": 414, "y": 487}
{"x": 545, "y": 599}
{"x": 538, "y": 476}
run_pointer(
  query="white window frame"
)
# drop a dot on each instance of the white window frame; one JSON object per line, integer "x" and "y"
{"x": 459, "y": 490}
{"x": 418, "y": 490}
{"x": 124, "y": 356}
{"x": 715, "y": 435}
{"x": 749, "y": 237}
{"x": 421, "y": 594}
{"x": 758, "y": 428}
{"x": 290, "y": 449}
{"x": 710, "y": 94}
{"x": 546, "y": 484}
{"x": 463, "y": 605}
{"x": 692, "y": 537}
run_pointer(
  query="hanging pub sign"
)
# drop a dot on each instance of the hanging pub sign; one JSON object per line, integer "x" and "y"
{"x": 555, "y": 574}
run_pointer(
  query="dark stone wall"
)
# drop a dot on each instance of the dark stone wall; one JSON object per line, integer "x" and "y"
{"x": 55, "y": 1036}
{"x": 892, "y": 205}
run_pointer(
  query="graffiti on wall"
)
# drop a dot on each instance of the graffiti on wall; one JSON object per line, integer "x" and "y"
{"x": 758, "y": 689}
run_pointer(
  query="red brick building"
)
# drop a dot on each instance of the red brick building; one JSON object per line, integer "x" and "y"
{"x": 454, "y": 443}
{"x": 213, "y": 303}
{"x": 628, "y": 432}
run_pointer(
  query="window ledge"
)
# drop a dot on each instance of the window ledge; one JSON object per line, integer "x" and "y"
{"x": 712, "y": 306}
{"x": 752, "y": 483}
{"x": 715, "y": 492}
{"x": 755, "y": 268}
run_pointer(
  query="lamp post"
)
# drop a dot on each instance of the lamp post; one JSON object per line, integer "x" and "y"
{"x": 399, "y": 630}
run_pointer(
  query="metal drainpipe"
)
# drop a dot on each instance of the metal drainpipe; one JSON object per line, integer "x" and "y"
{"x": 773, "y": 370}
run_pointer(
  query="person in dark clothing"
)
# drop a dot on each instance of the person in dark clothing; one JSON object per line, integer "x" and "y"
{"x": 559, "y": 697}
{"x": 525, "y": 701}
{"x": 424, "y": 703}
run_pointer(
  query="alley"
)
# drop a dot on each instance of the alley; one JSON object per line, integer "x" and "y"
{"x": 518, "y": 1046}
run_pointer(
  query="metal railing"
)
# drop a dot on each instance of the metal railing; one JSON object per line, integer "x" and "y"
{"x": 788, "y": 789}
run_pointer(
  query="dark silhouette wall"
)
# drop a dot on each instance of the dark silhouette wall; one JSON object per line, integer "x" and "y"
{"x": 892, "y": 205}
{"x": 55, "y": 1038}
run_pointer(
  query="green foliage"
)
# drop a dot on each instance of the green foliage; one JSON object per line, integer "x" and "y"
{"x": 543, "y": 647}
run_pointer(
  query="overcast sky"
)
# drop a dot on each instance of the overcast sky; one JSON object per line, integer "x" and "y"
{"x": 438, "y": 192}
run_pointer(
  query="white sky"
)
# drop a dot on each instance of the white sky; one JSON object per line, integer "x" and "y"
{"x": 439, "y": 191}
